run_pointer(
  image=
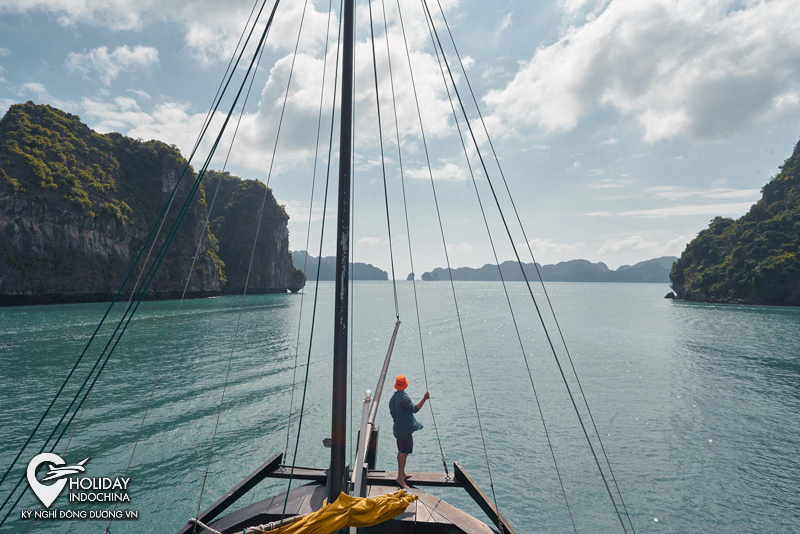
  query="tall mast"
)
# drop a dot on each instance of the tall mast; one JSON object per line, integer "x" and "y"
{"x": 339, "y": 402}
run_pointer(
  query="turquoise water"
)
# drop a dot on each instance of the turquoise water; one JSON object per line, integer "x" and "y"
{"x": 698, "y": 405}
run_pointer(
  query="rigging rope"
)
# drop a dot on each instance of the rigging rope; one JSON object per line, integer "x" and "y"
{"x": 252, "y": 255}
{"x": 429, "y": 18}
{"x": 383, "y": 162}
{"x": 200, "y": 242}
{"x": 319, "y": 264}
{"x": 151, "y": 271}
{"x": 508, "y": 298}
{"x": 408, "y": 232}
{"x": 536, "y": 265}
{"x": 452, "y": 284}
{"x": 308, "y": 230}
{"x": 159, "y": 223}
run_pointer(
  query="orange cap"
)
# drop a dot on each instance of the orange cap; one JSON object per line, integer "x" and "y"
{"x": 401, "y": 383}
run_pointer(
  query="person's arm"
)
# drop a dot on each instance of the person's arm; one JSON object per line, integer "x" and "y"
{"x": 422, "y": 402}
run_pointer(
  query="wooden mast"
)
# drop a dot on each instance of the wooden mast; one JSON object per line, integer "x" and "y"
{"x": 337, "y": 475}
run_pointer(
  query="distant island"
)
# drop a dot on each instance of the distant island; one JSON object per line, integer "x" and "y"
{"x": 76, "y": 207}
{"x": 327, "y": 271}
{"x": 649, "y": 271}
{"x": 754, "y": 259}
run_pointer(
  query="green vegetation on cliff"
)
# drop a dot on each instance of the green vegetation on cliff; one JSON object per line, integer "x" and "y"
{"x": 753, "y": 259}
{"x": 76, "y": 207}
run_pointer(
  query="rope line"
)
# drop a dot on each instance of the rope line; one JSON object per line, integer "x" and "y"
{"x": 308, "y": 230}
{"x": 508, "y": 299}
{"x": 200, "y": 242}
{"x": 408, "y": 231}
{"x": 383, "y": 162}
{"x": 148, "y": 277}
{"x": 519, "y": 261}
{"x": 536, "y": 265}
{"x": 252, "y": 255}
{"x": 452, "y": 284}
{"x": 158, "y": 224}
{"x": 319, "y": 264}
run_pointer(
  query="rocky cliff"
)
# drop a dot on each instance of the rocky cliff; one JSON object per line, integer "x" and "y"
{"x": 76, "y": 207}
{"x": 754, "y": 259}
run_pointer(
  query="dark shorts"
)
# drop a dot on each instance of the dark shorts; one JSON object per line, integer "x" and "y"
{"x": 405, "y": 445}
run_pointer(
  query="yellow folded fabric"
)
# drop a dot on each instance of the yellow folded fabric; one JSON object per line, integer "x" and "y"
{"x": 348, "y": 511}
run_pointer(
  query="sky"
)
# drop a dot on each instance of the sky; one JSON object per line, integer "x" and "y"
{"x": 622, "y": 127}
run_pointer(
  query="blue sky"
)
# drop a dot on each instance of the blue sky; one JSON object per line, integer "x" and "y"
{"x": 622, "y": 126}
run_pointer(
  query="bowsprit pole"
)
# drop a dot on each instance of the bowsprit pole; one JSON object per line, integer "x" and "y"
{"x": 336, "y": 482}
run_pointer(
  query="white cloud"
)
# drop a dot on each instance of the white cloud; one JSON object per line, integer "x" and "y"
{"x": 609, "y": 142}
{"x": 547, "y": 246}
{"x": 504, "y": 24}
{"x": 595, "y": 214}
{"x": 4, "y": 52}
{"x": 634, "y": 242}
{"x": 675, "y": 246}
{"x": 676, "y": 67}
{"x": 670, "y": 192}
{"x": 108, "y": 65}
{"x": 643, "y": 244}
{"x": 372, "y": 241}
{"x": 35, "y": 87}
{"x": 141, "y": 94}
{"x": 446, "y": 171}
{"x": 460, "y": 248}
{"x": 608, "y": 183}
{"x": 691, "y": 209}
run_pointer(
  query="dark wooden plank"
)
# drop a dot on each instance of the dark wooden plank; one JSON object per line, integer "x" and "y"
{"x": 233, "y": 495}
{"x": 386, "y": 478}
{"x": 300, "y": 473}
{"x": 270, "y": 509}
{"x": 375, "y": 477}
{"x": 483, "y": 501}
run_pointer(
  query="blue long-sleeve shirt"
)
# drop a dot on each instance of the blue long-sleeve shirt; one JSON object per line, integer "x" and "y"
{"x": 403, "y": 409}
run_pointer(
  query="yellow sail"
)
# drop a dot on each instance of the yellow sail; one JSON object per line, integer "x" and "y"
{"x": 349, "y": 511}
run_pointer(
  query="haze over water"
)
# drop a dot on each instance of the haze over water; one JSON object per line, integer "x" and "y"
{"x": 698, "y": 405}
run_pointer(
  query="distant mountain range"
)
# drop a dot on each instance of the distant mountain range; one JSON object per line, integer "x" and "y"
{"x": 649, "y": 271}
{"x": 327, "y": 271}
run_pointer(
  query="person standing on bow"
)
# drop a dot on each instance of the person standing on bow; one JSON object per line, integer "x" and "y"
{"x": 405, "y": 424}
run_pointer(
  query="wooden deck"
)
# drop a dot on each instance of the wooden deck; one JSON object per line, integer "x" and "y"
{"x": 428, "y": 514}
{"x": 379, "y": 477}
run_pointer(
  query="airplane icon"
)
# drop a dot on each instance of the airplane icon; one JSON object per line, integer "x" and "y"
{"x": 65, "y": 471}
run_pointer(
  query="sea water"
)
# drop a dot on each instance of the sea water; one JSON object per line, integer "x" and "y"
{"x": 698, "y": 405}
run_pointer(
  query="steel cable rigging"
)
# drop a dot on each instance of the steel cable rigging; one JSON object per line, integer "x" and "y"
{"x": 252, "y": 255}
{"x": 319, "y": 264}
{"x": 536, "y": 265}
{"x": 519, "y": 261}
{"x": 408, "y": 233}
{"x": 308, "y": 230}
{"x": 158, "y": 225}
{"x": 149, "y": 276}
{"x": 508, "y": 298}
{"x": 449, "y": 270}
{"x": 383, "y": 160}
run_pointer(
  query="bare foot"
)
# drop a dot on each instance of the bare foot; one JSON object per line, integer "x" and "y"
{"x": 408, "y": 476}
{"x": 402, "y": 483}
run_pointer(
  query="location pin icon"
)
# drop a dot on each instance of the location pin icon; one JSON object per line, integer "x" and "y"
{"x": 46, "y": 493}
